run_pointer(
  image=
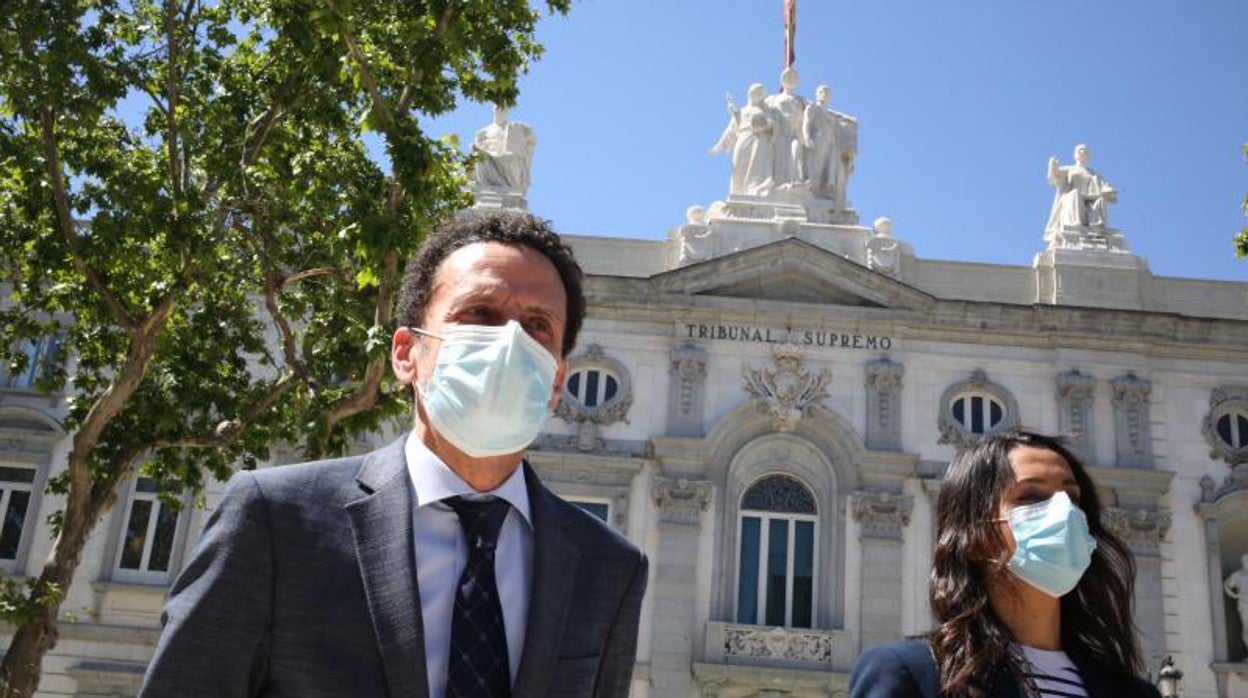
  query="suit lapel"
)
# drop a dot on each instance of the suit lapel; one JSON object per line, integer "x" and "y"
{"x": 554, "y": 569}
{"x": 381, "y": 523}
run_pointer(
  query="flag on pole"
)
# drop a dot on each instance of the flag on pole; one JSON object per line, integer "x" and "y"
{"x": 790, "y": 32}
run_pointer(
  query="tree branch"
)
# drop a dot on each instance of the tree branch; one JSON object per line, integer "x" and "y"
{"x": 172, "y": 84}
{"x": 380, "y": 108}
{"x": 310, "y": 273}
{"x": 65, "y": 222}
{"x": 229, "y": 431}
{"x": 271, "y": 287}
{"x": 365, "y": 397}
{"x": 414, "y": 77}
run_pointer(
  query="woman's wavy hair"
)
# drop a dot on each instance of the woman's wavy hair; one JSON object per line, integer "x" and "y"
{"x": 970, "y": 641}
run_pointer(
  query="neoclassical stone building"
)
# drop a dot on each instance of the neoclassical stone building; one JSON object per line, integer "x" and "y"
{"x": 766, "y": 401}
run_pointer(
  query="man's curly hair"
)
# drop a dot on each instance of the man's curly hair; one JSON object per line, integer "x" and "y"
{"x": 505, "y": 228}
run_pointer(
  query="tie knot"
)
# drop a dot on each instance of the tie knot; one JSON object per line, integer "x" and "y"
{"x": 481, "y": 519}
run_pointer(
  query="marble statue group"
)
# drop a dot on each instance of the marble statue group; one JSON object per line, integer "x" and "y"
{"x": 781, "y": 143}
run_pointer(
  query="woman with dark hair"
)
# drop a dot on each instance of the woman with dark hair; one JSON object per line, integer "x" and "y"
{"x": 1031, "y": 594}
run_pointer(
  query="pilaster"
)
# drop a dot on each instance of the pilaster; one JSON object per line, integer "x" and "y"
{"x": 881, "y": 515}
{"x": 1132, "y": 427}
{"x": 884, "y": 405}
{"x": 1075, "y": 391}
{"x": 680, "y": 503}
{"x": 686, "y": 395}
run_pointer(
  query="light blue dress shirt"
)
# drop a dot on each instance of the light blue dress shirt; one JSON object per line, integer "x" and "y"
{"x": 442, "y": 553}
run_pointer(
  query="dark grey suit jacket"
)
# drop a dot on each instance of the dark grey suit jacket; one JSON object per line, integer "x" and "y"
{"x": 304, "y": 584}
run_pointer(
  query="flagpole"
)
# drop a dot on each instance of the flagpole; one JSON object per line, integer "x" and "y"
{"x": 790, "y": 32}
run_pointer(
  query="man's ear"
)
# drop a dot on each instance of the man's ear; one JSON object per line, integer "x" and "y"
{"x": 404, "y": 348}
{"x": 560, "y": 376}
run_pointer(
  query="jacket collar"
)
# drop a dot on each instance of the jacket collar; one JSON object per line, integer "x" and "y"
{"x": 555, "y": 559}
{"x": 381, "y": 524}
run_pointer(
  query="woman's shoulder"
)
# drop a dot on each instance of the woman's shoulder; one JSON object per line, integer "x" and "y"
{"x": 902, "y": 668}
{"x": 910, "y": 650}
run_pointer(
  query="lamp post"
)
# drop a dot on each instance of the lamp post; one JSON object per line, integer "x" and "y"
{"x": 1168, "y": 679}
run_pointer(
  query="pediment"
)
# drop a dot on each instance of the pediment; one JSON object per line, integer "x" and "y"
{"x": 791, "y": 270}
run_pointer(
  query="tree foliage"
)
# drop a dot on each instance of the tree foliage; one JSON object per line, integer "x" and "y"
{"x": 1241, "y": 239}
{"x": 187, "y": 197}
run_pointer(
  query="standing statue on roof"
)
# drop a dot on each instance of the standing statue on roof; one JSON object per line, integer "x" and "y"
{"x": 751, "y": 137}
{"x": 830, "y": 141}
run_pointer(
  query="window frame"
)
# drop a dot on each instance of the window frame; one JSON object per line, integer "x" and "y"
{"x": 123, "y": 512}
{"x": 40, "y": 349}
{"x": 1226, "y": 402}
{"x": 952, "y": 431}
{"x": 8, "y": 487}
{"x": 579, "y": 501}
{"x": 765, "y": 518}
{"x": 608, "y": 411}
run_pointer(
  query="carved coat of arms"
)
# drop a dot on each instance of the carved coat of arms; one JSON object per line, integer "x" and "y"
{"x": 786, "y": 389}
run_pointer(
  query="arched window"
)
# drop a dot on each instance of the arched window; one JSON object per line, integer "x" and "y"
{"x": 591, "y": 387}
{"x": 1226, "y": 424}
{"x": 597, "y": 391}
{"x": 978, "y": 413}
{"x": 1232, "y": 429}
{"x": 973, "y": 408}
{"x": 776, "y": 560}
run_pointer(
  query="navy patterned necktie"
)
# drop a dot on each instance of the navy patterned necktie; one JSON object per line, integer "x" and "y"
{"x": 478, "y": 666}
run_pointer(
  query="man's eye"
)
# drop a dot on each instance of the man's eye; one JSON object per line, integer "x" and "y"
{"x": 537, "y": 327}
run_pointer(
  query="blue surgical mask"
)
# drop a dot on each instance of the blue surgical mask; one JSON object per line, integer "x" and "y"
{"x": 490, "y": 390}
{"x": 1054, "y": 545}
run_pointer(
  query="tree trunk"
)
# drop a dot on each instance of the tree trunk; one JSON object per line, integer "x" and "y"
{"x": 23, "y": 663}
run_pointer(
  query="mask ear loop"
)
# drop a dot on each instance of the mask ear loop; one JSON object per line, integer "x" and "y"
{"x": 417, "y": 389}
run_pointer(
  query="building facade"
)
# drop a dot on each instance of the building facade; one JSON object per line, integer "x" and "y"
{"x": 766, "y": 402}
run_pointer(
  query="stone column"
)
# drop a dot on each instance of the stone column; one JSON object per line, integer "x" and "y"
{"x": 884, "y": 405}
{"x": 1142, "y": 530}
{"x": 1074, "y": 411}
{"x": 680, "y": 503}
{"x": 1132, "y": 428}
{"x": 1207, "y": 510}
{"x": 685, "y": 397}
{"x": 881, "y": 515}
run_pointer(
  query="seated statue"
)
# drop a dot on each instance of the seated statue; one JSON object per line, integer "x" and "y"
{"x": 1082, "y": 198}
{"x": 883, "y": 250}
{"x": 504, "y": 154}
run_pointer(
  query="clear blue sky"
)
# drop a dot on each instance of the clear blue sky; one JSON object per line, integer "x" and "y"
{"x": 960, "y": 104}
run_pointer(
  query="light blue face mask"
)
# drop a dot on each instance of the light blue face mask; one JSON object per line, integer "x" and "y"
{"x": 490, "y": 391}
{"x": 1054, "y": 545}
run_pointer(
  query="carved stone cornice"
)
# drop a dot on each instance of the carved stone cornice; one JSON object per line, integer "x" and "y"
{"x": 1235, "y": 481}
{"x": 786, "y": 390}
{"x": 688, "y": 363}
{"x": 681, "y": 501}
{"x": 785, "y": 644}
{"x": 882, "y": 514}
{"x": 1131, "y": 389}
{"x": 1075, "y": 385}
{"x": 1142, "y": 529}
{"x": 884, "y": 375}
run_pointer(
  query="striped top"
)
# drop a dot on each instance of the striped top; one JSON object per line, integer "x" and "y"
{"x": 1052, "y": 673}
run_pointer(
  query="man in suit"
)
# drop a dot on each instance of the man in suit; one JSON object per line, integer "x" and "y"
{"x": 439, "y": 565}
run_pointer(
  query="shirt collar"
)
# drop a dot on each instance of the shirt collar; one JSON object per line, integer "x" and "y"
{"x": 433, "y": 481}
